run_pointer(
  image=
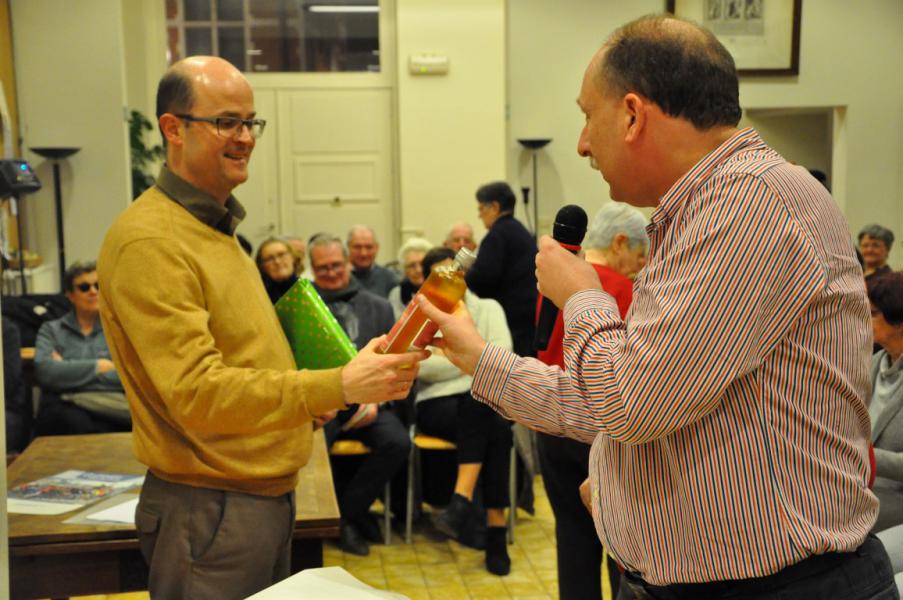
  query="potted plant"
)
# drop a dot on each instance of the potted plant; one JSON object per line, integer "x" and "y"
{"x": 143, "y": 156}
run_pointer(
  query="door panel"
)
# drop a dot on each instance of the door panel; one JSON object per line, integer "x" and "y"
{"x": 335, "y": 157}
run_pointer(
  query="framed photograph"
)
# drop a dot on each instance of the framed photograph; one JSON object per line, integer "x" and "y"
{"x": 763, "y": 36}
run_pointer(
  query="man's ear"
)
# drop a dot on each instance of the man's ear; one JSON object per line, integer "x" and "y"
{"x": 635, "y": 108}
{"x": 619, "y": 243}
{"x": 171, "y": 126}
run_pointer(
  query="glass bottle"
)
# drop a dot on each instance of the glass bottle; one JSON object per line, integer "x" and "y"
{"x": 444, "y": 288}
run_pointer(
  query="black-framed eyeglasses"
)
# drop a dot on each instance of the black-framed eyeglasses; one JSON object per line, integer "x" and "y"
{"x": 84, "y": 287}
{"x": 230, "y": 127}
{"x": 334, "y": 268}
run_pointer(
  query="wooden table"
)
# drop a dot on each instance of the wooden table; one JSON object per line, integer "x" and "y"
{"x": 52, "y": 559}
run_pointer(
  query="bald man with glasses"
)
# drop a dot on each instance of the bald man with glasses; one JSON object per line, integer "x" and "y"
{"x": 221, "y": 417}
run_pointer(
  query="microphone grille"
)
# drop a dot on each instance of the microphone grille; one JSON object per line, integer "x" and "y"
{"x": 570, "y": 225}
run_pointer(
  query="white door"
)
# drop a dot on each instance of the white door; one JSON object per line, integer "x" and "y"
{"x": 335, "y": 162}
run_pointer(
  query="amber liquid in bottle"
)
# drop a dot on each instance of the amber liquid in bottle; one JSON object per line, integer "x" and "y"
{"x": 444, "y": 288}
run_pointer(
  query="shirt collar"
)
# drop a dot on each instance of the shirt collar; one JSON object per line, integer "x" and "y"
{"x": 200, "y": 204}
{"x": 888, "y": 368}
{"x": 70, "y": 321}
{"x": 687, "y": 185}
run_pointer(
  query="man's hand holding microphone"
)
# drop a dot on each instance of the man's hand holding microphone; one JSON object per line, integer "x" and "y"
{"x": 559, "y": 273}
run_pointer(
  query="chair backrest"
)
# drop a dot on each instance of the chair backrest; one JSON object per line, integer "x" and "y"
{"x": 31, "y": 311}
{"x": 348, "y": 448}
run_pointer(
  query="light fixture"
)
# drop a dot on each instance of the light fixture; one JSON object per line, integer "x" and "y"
{"x": 342, "y": 8}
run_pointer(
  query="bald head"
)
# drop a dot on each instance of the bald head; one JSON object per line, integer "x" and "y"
{"x": 676, "y": 64}
{"x": 178, "y": 88}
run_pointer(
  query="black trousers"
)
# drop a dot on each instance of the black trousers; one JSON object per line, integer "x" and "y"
{"x": 481, "y": 435}
{"x": 389, "y": 446}
{"x": 565, "y": 464}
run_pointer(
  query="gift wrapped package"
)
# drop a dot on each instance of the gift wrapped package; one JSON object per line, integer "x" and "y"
{"x": 316, "y": 338}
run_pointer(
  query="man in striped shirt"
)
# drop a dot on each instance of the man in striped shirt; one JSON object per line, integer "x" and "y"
{"x": 728, "y": 411}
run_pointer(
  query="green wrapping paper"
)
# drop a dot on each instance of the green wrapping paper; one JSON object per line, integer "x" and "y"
{"x": 316, "y": 338}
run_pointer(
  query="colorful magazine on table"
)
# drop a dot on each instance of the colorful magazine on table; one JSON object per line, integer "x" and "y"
{"x": 67, "y": 491}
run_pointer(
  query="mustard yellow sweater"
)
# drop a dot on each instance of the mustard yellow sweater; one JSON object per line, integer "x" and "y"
{"x": 215, "y": 398}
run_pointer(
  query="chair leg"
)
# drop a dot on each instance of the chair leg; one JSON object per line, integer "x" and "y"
{"x": 409, "y": 504}
{"x": 387, "y": 513}
{"x": 512, "y": 494}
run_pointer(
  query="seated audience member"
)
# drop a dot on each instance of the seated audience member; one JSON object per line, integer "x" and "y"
{"x": 72, "y": 363}
{"x": 363, "y": 316}
{"x": 821, "y": 177}
{"x": 886, "y": 298}
{"x": 460, "y": 236}
{"x": 278, "y": 264}
{"x": 17, "y": 407}
{"x": 410, "y": 256}
{"x": 245, "y": 244}
{"x": 875, "y": 243}
{"x": 300, "y": 248}
{"x": 362, "y": 249}
{"x": 615, "y": 245}
{"x": 505, "y": 268}
{"x": 446, "y": 409}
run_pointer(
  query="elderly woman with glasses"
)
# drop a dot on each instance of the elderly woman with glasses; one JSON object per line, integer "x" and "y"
{"x": 886, "y": 298}
{"x": 875, "y": 242}
{"x": 410, "y": 257}
{"x": 279, "y": 265}
{"x": 81, "y": 391}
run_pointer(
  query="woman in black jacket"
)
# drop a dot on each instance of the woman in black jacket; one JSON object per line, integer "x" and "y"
{"x": 505, "y": 268}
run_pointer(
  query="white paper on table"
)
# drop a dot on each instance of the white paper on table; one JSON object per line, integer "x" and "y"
{"x": 124, "y": 512}
{"x": 327, "y": 583}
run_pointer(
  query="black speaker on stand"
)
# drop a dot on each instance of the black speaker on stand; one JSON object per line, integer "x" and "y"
{"x": 17, "y": 179}
{"x": 534, "y": 145}
{"x": 56, "y": 155}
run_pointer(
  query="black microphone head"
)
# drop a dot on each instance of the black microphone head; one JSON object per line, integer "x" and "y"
{"x": 570, "y": 225}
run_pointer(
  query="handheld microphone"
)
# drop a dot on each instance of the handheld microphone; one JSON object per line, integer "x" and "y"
{"x": 568, "y": 230}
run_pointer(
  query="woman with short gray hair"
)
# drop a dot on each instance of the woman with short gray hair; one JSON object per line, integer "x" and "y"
{"x": 875, "y": 242}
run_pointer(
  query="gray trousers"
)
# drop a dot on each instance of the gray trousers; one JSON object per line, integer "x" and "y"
{"x": 201, "y": 543}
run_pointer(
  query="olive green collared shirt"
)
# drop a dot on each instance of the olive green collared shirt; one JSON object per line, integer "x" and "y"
{"x": 204, "y": 207}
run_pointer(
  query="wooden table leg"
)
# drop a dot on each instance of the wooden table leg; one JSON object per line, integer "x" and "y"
{"x": 307, "y": 553}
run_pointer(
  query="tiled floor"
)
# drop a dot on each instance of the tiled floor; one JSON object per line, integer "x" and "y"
{"x": 440, "y": 570}
{"x": 445, "y": 570}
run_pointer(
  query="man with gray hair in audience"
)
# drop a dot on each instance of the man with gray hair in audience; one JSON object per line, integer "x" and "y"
{"x": 363, "y": 316}
{"x": 460, "y": 236}
{"x": 362, "y": 250}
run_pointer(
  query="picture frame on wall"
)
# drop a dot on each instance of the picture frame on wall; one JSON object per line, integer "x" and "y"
{"x": 763, "y": 36}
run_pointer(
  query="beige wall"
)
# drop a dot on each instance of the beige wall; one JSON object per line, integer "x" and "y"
{"x": 144, "y": 36}
{"x": 548, "y": 52}
{"x": 851, "y": 56}
{"x": 71, "y": 86}
{"x": 451, "y": 129}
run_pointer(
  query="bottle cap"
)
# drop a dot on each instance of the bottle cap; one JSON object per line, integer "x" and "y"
{"x": 465, "y": 258}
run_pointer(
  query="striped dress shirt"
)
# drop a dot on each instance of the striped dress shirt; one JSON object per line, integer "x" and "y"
{"x": 728, "y": 413}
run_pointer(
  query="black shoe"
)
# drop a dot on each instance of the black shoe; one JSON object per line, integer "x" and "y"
{"x": 461, "y": 521}
{"x": 350, "y": 540}
{"x": 497, "y": 560}
{"x": 368, "y": 527}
